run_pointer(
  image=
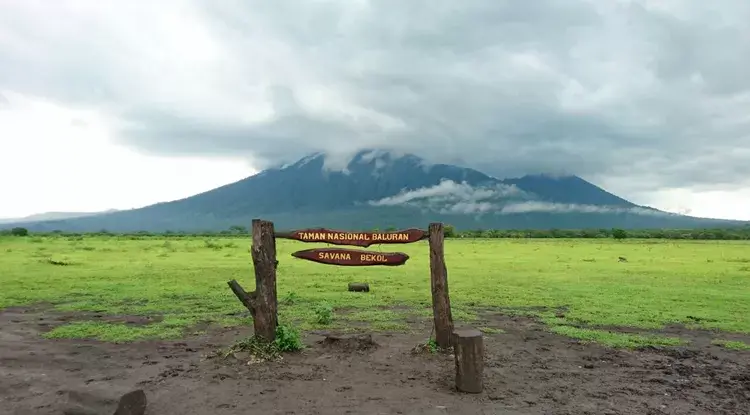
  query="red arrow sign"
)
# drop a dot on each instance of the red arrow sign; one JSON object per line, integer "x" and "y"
{"x": 350, "y": 257}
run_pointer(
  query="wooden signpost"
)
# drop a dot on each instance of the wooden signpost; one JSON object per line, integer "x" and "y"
{"x": 262, "y": 303}
{"x": 441, "y": 305}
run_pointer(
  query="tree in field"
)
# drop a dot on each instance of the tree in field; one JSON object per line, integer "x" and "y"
{"x": 449, "y": 231}
{"x": 619, "y": 234}
{"x": 238, "y": 229}
{"x": 19, "y": 232}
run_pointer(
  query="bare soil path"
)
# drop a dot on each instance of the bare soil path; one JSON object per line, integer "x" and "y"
{"x": 529, "y": 371}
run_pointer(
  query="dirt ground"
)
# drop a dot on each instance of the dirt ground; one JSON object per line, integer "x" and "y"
{"x": 529, "y": 371}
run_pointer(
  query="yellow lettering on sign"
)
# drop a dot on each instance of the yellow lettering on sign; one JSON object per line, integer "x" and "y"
{"x": 373, "y": 258}
{"x": 310, "y": 236}
{"x": 390, "y": 237}
{"x": 346, "y": 236}
{"x": 334, "y": 236}
{"x": 352, "y": 237}
{"x": 341, "y": 256}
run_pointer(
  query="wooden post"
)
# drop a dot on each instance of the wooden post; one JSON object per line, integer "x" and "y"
{"x": 441, "y": 303}
{"x": 263, "y": 250}
{"x": 262, "y": 302}
{"x": 468, "y": 350}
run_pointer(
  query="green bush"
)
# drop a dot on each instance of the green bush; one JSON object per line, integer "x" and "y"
{"x": 619, "y": 234}
{"x": 19, "y": 232}
{"x": 288, "y": 339}
{"x": 324, "y": 314}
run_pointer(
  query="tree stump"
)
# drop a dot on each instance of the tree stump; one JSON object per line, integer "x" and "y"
{"x": 262, "y": 303}
{"x": 132, "y": 403}
{"x": 468, "y": 350}
{"x": 359, "y": 287}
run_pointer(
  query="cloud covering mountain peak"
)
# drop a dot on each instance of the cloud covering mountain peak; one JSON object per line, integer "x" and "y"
{"x": 642, "y": 95}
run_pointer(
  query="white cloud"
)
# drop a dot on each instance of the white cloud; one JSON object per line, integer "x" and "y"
{"x": 460, "y": 197}
{"x": 702, "y": 203}
{"x": 58, "y": 159}
{"x": 452, "y": 197}
{"x": 536, "y": 206}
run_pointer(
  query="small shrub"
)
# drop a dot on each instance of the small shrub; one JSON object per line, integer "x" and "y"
{"x": 324, "y": 314}
{"x": 288, "y": 339}
{"x": 212, "y": 245}
{"x": 430, "y": 346}
{"x": 60, "y": 262}
{"x": 290, "y": 298}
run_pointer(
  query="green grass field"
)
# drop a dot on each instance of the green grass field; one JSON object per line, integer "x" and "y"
{"x": 183, "y": 280}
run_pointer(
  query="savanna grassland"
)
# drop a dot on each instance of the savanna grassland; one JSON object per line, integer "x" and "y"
{"x": 578, "y": 288}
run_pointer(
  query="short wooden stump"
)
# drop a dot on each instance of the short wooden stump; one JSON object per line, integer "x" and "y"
{"x": 468, "y": 349}
{"x": 359, "y": 287}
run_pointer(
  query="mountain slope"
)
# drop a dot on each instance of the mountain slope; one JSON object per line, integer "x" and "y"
{"x": 379, "y": 189}
{"x": 568, "y": 189}
{"x": 38, "y": 217}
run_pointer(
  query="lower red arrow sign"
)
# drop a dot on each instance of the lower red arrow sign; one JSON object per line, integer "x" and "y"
{"x": 351, "y": 257}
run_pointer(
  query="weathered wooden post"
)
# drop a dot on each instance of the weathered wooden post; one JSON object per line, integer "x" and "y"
{"x": 262, "y": 302}
{"x": 468, "y": 350}
{"x": 441, "y": 303}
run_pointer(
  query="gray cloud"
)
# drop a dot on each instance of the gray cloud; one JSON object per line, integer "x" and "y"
{"x": 536, "y": 206}
{"x": 644, "y": 94}
{"x": 452, "y": 197}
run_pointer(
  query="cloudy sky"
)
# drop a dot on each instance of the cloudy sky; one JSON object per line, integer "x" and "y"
{"x": 118, "y": 104}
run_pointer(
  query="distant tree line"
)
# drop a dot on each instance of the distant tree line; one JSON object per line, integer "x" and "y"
{"x": 740, "y": 233}
{"x": 736, "y": 233}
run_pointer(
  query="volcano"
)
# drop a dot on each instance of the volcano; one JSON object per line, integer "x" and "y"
{"x": 378, "y": 190}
